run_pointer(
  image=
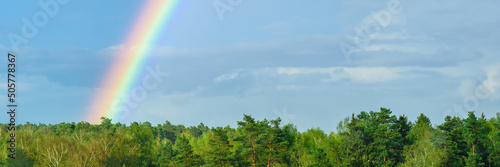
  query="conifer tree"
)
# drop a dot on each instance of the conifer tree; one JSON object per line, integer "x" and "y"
{"x": 219, "y": 153}
{"x": 185, "y": 155}
{"x": 166, "y": 154}
{"x": 494, "y": 136}
{"x": 476, "y": 132}
{"x": 455, "y": 145}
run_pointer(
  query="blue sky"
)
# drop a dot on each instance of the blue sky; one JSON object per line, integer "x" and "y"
{"x": 266, "y": 58}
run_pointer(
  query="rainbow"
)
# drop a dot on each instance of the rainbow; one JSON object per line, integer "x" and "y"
{"x": 129, "y": 63}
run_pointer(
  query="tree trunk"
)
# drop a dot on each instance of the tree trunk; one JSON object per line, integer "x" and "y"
{"x": 269, "y": 156}
{"x": 254, "y": 154}
{"x": 473, "y": 149}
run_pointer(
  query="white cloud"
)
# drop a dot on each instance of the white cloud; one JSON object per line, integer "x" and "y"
{"x": 122, "y": 48}
{"x": 356, "y": 74}
{"x": 400, "y": 48}
{"x": 492, "y": 82}
{"x": 295, "y": 70}
{"x": 373, "y": 74}
{"x": 487, "y": 88}
{"x": 376, "y": 74}
{"x": 226, "y": 77}
{"x": 390, "y": 36}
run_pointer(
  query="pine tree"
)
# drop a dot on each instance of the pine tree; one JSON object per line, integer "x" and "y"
{"x": 250, "y": 136}
{"x": 274, "y": 142}
{"x": 185, "y": 155}
{"x": 166, "y": 154}
{"x": 476, "y": 132}
{"x": 356, "y": 148}
{"x": 219, "y": 153}
{"x": 403, "y": 126}
{"x": 455, "y": 145}
{"x": 382, "y": 134}
{"x": 494, "y": 137}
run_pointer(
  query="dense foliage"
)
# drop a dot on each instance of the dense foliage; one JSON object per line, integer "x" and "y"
{"x": 366, "y": 139}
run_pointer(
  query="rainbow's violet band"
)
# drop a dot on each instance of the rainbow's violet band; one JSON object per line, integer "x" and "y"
{"x": 129, "y": 62}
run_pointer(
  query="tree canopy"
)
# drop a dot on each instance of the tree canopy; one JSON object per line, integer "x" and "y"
{"x": 374, "y": 138}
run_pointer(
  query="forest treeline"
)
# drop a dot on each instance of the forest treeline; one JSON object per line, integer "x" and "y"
{"x": 375, "y": 138}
